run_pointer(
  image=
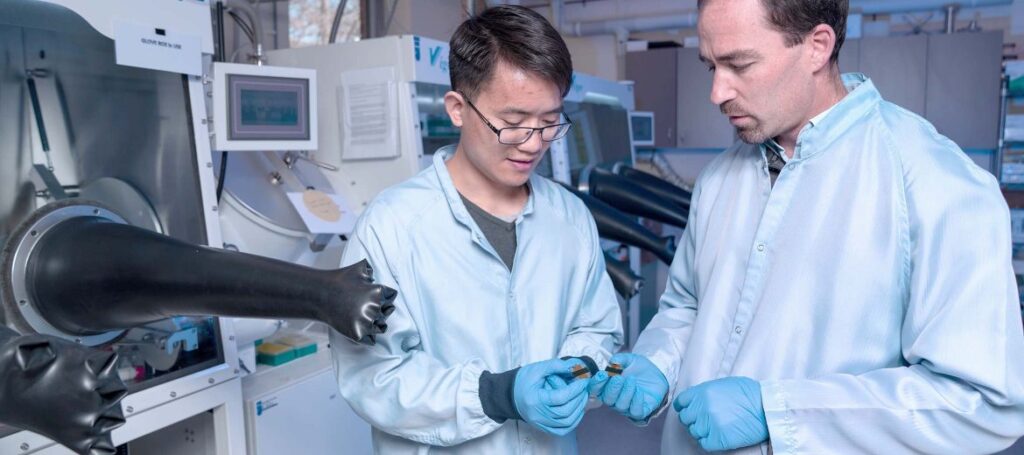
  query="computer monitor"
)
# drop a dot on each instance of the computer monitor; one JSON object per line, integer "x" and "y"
{"x": 264, "y": 108}
{"x": 642, "y": 125}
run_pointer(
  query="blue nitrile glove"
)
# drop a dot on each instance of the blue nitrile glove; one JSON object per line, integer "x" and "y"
{"x": 637, "y": 392}
{"x": 723, "y": 414}
{"x": 556, "y": 405}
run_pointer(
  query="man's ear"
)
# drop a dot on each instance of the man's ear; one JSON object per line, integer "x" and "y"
{"x": 821, "y": 40}
{"x": 454, "y": 104}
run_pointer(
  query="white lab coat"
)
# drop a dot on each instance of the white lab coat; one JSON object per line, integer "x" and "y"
{"x": 870, "y": 291}
{"x": 460, "y": 311}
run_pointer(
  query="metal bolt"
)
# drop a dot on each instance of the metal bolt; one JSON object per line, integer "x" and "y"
{"x": 231, "y": 338}
{"x": 78, "y": 340}
{"x": 211, "y": 381}
{"x": 24, "y": 447}
{"x": 174, "y": 394}
{"x": 33, "y": 233}
{"x": 209, "y": 164}
{"x": 236, "y": 370}
{"x": 129, "y": 409}
{"x": 22, "y": 302}
{"x": 214, "y": 208}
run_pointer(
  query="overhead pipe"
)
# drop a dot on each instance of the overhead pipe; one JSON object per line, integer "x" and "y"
{"x": 336, "y": 23}
{"x": 257, "y": 25}
{"x": 637, "y": 24}
{"x": 629, "y": 197}
{"x": 951, "y": 10}
{"x": 911, "y": 6}
{"x": 676, "y": 21}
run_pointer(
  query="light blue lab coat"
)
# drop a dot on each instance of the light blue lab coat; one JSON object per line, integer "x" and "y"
{"x": 460, "y": 311}
{"x": 870, "y": 291}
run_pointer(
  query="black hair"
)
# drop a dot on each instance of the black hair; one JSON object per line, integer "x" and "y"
{"x": 516, "y": 35}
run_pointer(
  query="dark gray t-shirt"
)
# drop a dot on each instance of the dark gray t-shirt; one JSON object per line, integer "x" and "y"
{"x": 500, "y": 233}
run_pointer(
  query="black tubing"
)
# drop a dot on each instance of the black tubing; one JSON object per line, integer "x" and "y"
{"x": 630, "y": 197}
{"x": 612, "y": 224}
{"x": 626, "y": 283}
{"x": 656, "y": 185}
{"x": 90, "y": 275}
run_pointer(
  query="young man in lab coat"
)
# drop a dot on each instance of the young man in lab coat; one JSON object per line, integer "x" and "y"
{"x": 844, "y": 284}
{"x": 499, "y": 272}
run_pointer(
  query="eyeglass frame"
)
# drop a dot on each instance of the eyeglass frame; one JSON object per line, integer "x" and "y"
{"x": 497, "y": 131}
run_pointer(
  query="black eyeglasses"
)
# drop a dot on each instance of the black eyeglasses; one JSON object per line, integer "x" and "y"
{"x": 515, "y": 135}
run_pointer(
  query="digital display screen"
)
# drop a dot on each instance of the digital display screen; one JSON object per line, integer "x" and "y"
{"x": 266, "y": 108}
{"x": 642, "y": 128}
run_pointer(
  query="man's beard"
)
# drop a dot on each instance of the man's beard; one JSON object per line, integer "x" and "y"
{"x": 752, "y": 134}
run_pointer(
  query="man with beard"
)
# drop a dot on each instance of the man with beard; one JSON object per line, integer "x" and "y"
{"x": 845, "y": 283}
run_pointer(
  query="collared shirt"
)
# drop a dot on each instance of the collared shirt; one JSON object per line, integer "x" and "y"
{"x": 775, "y": 155}
{"x": 461, "y": 311}
{"x": 870, "y": 292}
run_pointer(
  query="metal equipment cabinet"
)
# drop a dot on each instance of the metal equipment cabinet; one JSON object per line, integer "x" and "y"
{"x": 654, "y": 74}
{"x": 676, "y": 86}
{"x": 964, "y": 80}
{"x": 898, "y": 67}
{"x": 952, "y": 80}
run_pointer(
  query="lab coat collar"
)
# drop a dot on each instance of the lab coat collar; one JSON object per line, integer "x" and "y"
{"x": 458, "y": 209}
{"x": 862, "y": 98}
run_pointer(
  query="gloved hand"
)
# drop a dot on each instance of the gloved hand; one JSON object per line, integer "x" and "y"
{"x": 62, "y": 390}
{"x": 637, "y": 392}
{"x": 723, "y": 414}
{"x": 546, "y": 397}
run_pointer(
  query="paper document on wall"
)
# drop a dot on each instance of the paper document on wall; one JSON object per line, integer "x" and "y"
{"x": 368, "y": 104}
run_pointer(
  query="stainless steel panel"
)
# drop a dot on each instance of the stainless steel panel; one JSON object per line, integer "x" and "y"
{"x": 122, "y": 122}
{"x": 127, "y": 123}
{"x": 15, "y": 191}
{"x": 106, "y": 121}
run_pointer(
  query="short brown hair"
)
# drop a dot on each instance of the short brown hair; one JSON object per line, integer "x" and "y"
{"x": 516, "y": 35}
{"x": 796, "y": 18}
